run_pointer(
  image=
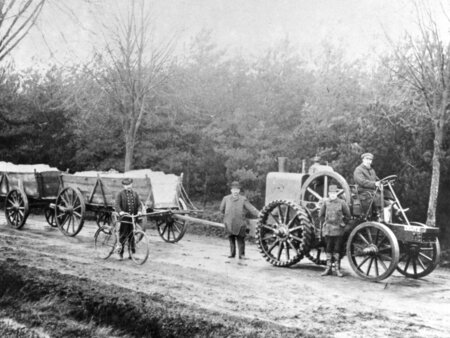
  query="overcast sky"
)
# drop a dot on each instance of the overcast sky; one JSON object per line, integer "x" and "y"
{"x": 249, "y": 27}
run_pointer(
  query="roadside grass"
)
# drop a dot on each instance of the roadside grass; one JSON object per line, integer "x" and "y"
{"x": 67, "y": 306}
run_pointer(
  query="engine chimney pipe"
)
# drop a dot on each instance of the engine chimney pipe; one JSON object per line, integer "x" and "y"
{"x": 282, "y": 164}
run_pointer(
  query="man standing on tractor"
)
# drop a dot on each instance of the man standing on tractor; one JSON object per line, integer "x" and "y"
{"x": 332, "y": 215}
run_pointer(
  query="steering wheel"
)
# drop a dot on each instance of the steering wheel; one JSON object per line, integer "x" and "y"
{"x": 388, "y": 179}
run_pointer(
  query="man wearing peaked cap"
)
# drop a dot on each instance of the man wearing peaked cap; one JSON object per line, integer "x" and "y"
{"x": 367, "y": 183}
{"x": 332, "y": 214}
{"x": 127, "y": 202}
{"x": 233, "y": 207}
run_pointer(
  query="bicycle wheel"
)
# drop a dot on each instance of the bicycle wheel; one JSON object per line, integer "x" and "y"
{"x": 139, "y": 252}
{"x": 105, "y": 242}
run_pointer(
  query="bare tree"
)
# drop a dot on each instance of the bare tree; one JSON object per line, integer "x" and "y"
{"x": 423, "y": 67}
{"x": 132, "y": 71}
{"x": 16, "y": 20}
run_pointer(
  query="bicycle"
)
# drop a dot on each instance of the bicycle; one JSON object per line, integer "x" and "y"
{"x": 106, "y": 239}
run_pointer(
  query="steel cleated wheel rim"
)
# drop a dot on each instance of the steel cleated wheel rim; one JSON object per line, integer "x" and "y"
{"x": 283, "y": 233}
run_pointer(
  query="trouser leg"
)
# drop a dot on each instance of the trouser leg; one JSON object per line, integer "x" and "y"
{"x": 328, "y": 250}
{"x": 232, "y": 239}
{"x": 241, "y": 245}
{"x": 337, "y": 255}
{"x": 124, "y": 235}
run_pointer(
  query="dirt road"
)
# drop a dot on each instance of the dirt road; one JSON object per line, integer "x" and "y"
{"x": 196, "y": 272}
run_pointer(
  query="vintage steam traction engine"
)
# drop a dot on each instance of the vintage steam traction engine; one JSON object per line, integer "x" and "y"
{"x": 289, "y": 229}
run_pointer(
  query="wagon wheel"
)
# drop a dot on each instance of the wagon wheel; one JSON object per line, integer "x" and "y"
{"x": 315, "y": 190}
{"x": 50, "y": 217}
{"x": 284, "y": 233}
{"x": 70, "y": 210}
{"x": 16, "y": 208}
{"x": 418, "y": 259}
{"x": 373, "y": 251}
{"x": 103, "y": 218}
{"x": 172, "y": 229}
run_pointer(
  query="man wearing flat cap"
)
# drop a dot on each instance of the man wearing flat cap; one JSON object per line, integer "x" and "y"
{"x": 127, "y": 201}
{"x": 333, "y": 213}
{"x": 234, "y": 207}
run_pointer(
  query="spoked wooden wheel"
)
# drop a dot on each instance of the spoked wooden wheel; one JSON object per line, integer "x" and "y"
{"x": 418, "y": 259}
{"x": 140, "y": 250}
{"x": 105, "y": 240}
{"x": 373, "y": 251}
{"x": 315, "y": 190}
{"x": 283, "y": 233}
{"x": 50, "y": 217}
{"x": 172, "y": 229}
{"x": 103, "y": 218}
{"x": 70, "y": 210}
{"x": 16, "y": 208}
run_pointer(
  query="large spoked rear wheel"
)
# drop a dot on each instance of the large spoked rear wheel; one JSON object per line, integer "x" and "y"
{"x": 70, "y": 210}
{"x": 139, "y": 253}
{"x": 172, "y": 229}
{"x": 283, "y": 233}
{"x": 373, "y": 251}
{"x": 16, "y": 208}
{"x": 315, "y": 190}
{"x": 49, "y": 214}
{"x": 418, "y": 259}
{"x": 105, "y": 241}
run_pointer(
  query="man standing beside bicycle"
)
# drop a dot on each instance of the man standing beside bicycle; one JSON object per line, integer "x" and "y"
{"x": 127, "y": 202}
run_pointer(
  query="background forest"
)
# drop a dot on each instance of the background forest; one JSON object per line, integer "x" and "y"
{"x": 217, "y": 118}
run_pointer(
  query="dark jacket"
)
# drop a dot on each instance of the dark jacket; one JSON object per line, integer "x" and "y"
{"x": 332, "y": 213}
{"x": 128, "y": 201}
{"x": 365, "y": 178}
{"x": 234, "y": 210}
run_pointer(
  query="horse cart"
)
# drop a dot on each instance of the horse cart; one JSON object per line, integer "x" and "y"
{"x": 23, "y": 187}
{"x": 162, "y": 196}
{"x": 377, "y": 243}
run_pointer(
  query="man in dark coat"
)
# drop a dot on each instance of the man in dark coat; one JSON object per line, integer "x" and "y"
{"x": 127, "y": 201}
{"x": 332, "y": 214}
{"x": 233, "y": 207}
{"x": 367, "y": 183}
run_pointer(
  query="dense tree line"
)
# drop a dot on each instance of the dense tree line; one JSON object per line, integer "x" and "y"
{"x": 221, "y": 118}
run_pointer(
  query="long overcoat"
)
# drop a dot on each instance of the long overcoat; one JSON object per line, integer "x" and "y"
{"x": 234, "y": 210}
{"x": 365, "y": 178}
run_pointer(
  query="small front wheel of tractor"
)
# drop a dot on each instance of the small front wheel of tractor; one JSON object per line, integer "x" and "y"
{"x": 283, "y": 233}
{"x": 418, "y": 259}
{"x": 373, "y": 251}
{"x": 16, "y": 208}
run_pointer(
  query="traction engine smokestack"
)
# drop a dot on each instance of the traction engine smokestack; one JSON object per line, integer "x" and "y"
{"x": 282, "y": 164}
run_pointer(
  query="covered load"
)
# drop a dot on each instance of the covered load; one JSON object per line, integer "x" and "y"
{"x": 36, "y": 180}
{"x": 155, "y": 188}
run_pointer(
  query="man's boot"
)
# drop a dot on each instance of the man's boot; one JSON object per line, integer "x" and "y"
{"x": 328, "y": 268}
{"x": 338, "y": 265}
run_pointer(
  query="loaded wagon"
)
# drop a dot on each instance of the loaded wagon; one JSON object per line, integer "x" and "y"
{"x": 23, "y": 187}
{"x": 162, "y": 196}
{"x": 377, "y": 244}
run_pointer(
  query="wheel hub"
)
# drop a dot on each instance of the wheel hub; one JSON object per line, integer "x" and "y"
{"x": 371, "y": 249}
{"x": 283, "y": 232}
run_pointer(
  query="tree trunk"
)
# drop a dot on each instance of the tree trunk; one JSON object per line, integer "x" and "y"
{"x": 435, "y": 172}
{"x": 129, "y": 152}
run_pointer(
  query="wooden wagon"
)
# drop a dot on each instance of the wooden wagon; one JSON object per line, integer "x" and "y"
{"x": 23, "y": 187}
{"x": 162, "y": 195}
